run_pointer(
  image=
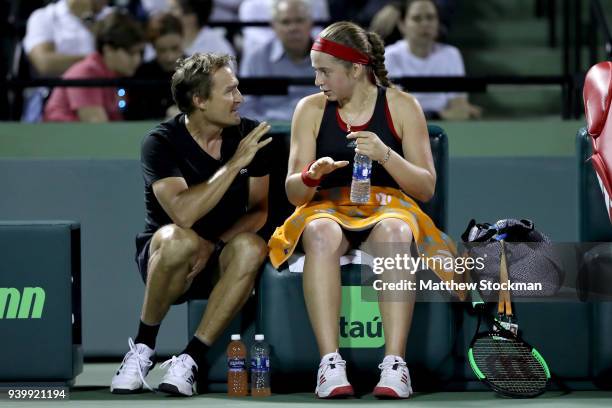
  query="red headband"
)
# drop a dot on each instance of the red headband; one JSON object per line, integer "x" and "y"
{"x": 340, "y": 51}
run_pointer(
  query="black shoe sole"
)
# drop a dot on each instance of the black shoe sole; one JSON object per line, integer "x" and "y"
{"x": 171, "y": 389}
{"x": 124, "y": 391}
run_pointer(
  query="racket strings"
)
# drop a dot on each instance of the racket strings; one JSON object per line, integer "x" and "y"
{"x": 509, "y": 365}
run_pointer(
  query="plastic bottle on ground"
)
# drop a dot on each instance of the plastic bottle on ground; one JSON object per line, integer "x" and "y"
{"x": 237, "y": 380}
{"x": 260, "y": 367}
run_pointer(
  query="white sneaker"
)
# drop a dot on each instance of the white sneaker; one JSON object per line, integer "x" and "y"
{"x": 130, "y": 377}
{"x": 181, "y": 376}
{"x": 394, "y": 379}
{"x": 331, "y": 378}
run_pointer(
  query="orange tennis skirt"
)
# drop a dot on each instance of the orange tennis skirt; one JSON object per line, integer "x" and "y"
{"x": 385, "y": 202}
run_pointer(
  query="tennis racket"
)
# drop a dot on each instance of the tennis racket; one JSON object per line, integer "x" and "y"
{"x": 500, "y": 357}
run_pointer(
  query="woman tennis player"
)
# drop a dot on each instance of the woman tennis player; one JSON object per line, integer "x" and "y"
{"x": 356, "y": 103}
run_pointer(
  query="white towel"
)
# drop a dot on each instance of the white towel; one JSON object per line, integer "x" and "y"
{"x": 354, "y": 256}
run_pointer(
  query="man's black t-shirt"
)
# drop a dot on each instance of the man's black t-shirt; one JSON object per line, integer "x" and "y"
{"x": 170, "y": 151}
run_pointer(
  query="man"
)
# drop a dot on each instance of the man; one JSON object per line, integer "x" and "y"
{"x": 285, "y": 55}
{"x": 57, "y": 36}
{"x": 206, "y": 192}
{"x": 261, "y": 11}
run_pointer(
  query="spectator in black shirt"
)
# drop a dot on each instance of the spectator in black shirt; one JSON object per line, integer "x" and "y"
{"x": 206, "y": 196}
{"x": 165, "y": 32}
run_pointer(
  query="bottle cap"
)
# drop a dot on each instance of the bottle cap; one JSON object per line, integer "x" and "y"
{"x": 235, "y": 337}
{"x": 259, "y": 337}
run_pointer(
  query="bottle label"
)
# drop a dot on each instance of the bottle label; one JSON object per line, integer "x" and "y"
{"x": 361, "y": 172}
{"x": 260, "y": 364}
{"x": 236, "y": 364}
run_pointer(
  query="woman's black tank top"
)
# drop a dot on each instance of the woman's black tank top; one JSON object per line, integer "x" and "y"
{"x": 332, "y": 142}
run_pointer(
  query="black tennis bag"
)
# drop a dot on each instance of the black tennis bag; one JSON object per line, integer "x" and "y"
{"x": 529, "y": 253}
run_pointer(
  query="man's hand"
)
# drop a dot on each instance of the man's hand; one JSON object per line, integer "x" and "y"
{"x": 250, "y": 145}
{"x": 201, "y": 258}
{"x": 323, "y": 166}
{"x": 369, "y": 144}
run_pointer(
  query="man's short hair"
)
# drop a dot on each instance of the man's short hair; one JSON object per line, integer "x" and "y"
{"x": 193, "y": 76}
{"x": 118, "y": 30}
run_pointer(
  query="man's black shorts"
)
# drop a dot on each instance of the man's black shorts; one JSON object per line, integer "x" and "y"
{"x": 201, "y": 286}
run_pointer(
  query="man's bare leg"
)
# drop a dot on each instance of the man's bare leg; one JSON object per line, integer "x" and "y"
{"x": 171, "y": 251}
{"x": 239, "y": 263}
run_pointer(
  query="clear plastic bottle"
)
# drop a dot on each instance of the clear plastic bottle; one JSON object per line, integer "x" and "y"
{"x": 360, "y": 186}
{"x": 260, "y": 367}
{"x": 237, "y": 379}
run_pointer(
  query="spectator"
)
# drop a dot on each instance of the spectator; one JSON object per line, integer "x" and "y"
{"x": 418, "y": 54}
{"x": 385, "y": 21}
{"x": 59, "y": 35}
{"x": 261, "y": 11}
{"x": 165, "y": 32}
{"x": 198, "y": 37}
{"x": 119, "y": 44}
{"x": 285, "y": 55}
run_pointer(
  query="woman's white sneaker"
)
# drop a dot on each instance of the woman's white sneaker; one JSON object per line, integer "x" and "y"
{"x": 180, "y": 379}
{"x": 130, "y": 377}
{"x": 394, "y": 379}
{"x": 331, "y": 378}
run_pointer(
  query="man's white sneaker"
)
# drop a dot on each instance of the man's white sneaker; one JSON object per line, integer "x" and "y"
{"x": 180, "y": 379}
{"x": 331, "y": 378}
{"x": 130, "y": 377}
{"x": 394, "y": 379}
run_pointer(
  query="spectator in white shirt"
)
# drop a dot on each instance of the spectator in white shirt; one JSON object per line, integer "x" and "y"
{"x": 59, "y": 35}
{"x": 418, "y": 54}
{"x": 194, "y": 15}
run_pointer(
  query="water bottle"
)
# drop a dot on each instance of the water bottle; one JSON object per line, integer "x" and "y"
{"x": 360, "y": 186}
{"x": 260, "y": 367}
{"x": 237, "y": 372}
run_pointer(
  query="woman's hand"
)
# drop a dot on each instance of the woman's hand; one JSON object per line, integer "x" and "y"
{"x": 369, "y": 144}
{"x": 323, "y": 166}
